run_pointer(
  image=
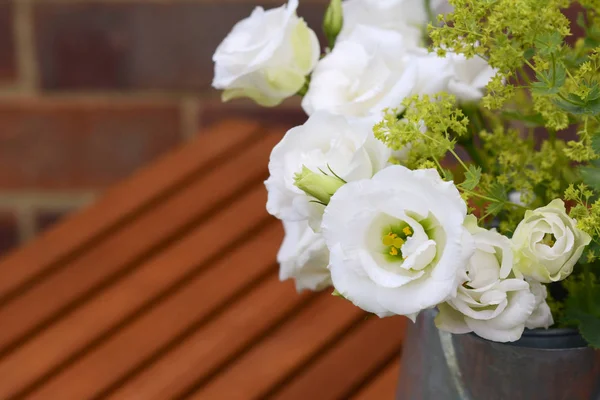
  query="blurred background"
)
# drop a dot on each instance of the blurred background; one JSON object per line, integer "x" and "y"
{"x": 90, "y": 90}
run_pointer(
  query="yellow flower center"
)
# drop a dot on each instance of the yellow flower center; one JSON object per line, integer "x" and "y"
{"x": 395, "y": 242}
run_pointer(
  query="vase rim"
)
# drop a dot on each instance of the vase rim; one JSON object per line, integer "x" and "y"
{"x": 551, "y": 332}
{"x": 557, "y": 339}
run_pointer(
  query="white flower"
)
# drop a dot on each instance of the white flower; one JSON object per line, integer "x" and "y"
{"x": 469, "y": 78}
{"x": 266, "y": 56}
{"x": 548, "y": 243}
{"x": 325, "y": 142}
{"x": 541, "y": 316}
{"x": 434, "y": 73}
{"x": 489, "y": 303}
{"x": 363, "y": 75}
{"x": 408, "y": 17}
{"x": 304, "y": 257}
{"x": 397, "y": 241}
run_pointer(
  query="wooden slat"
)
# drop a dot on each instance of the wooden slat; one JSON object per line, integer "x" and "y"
{"x": 255, "y": 254}
{"x": 223, "y": 338}
{"x": 384, "y": 385}
{"x": 133, "y": 242}
{"x": 286, "y": 349}
{"x": 103, "y": 366}
{"x": 348, "y": 363}
{"x": 121, "y": 203}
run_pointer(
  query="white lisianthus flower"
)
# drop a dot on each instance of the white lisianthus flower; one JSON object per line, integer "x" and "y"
{"x": 397, "y": 241}
{"x": 363, "y": 75}
{"x": 304, "y": 257}
{"x": 266, "y": 56}
{"x": 489, "y": 303}
{"x": 434, "y": 73}
{"x": 469, "y": 78}
{"x": 326, "y": 143}
{"x": 541, "y": 316}
{"x": 548, "y": 243}
{"x": 408, "y": 17}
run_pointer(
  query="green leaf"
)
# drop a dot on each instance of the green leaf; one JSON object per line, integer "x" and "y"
{"x": 589, "y": 327}
{"x": 498, "y": 192}
{"x": 530, "y": 52}
{"x": 594, "y": 93}
{"x": 587, "y": 323}
{"x": 549, "y": 43}
{"x": 582, "y": 308}
{"x": 448, "y": 174}
{"x": 596, "y": 143}
{"x": 530, "y": 120}
{"x": 549, "y": 82}
{"x": 543, "y": 89}
{"x": 335, "y": 293}
{"x": 472, "y": 177}
{"x": 590, "y": 176}
{"x": 494, "y": 208}
{"x": 574, "y": 105}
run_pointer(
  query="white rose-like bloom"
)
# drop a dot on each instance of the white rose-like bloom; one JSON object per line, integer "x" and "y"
{"x": 364, "y": 74}
{"x": 324, "y": 142}
{"x": 548, "y": 243}
{"x": 397, "y": 241}
{"x": 304, "y": 257}
{"x": 469, "y": 78}
{"x": 541, "y": 316}
{"x": 489, "y": 304}
{"x": 408, "y": 17}
{"x": 266, "y": 56}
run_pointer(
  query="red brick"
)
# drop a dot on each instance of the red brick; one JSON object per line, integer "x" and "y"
{"x": 9, "y": 231}
{"x": 166, "y": 45}
{"x": 44, "y": 219}
{"x": 88, "y": 144}
{"x": 8, "y": 69}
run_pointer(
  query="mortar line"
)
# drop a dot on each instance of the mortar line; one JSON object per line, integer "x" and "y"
{"x": 190, "y": 117}
{"x": 25, "y": 222}
{"x": 25, "y": 46}
{"x": 47, "y": 201}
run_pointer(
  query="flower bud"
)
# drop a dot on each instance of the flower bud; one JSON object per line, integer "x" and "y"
{"x": 333, "y": 21}
{"x": 317, "y": 185}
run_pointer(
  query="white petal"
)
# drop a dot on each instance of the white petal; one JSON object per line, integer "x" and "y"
{"x": 450, "y": 320}
{"x": 354, "y": 285}
{"x": 304, "y": 257}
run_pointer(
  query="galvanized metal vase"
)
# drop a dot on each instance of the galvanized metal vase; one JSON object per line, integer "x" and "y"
{"x": 544, "y": 364}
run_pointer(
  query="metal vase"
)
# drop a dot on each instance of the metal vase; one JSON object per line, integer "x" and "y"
{"x": 549, "y": 364}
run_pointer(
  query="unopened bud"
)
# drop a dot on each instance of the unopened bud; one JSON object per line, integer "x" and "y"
{"x": 333, "y": 21}
{"x": 317, "y": 185}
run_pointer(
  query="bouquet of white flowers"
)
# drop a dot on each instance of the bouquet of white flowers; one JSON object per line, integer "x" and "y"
{"x": 417, "y": 181}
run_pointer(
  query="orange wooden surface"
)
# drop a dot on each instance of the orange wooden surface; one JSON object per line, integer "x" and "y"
{"x": 167, "y": 287}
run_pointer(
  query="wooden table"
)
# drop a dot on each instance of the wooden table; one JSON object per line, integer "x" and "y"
{"x": 167, "y": 288}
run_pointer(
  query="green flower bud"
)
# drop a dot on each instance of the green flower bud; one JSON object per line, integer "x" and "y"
{"x": 317, "y": 185}
{"x": 333, "y": 21}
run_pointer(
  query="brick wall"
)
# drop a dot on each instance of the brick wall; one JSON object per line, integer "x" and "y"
{"x": 90, "y": 90}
